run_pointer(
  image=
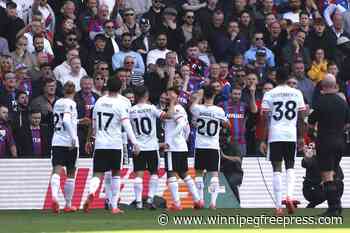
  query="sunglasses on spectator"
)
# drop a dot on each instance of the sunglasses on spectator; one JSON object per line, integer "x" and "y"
{"x": 190, "y": 17}
{"x": 109, "y": 27}
{"x": 103, "y": 68}
{"x": 97, "y": 79}
{"x": 72, "y": 39}
{"x": 292, "y": 83}
{"x": 259, "y": 38}
{"x": 129, "y": 14}
{"x": 129, "y": 62}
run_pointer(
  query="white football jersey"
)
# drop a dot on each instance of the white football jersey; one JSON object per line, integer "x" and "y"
{"x": 126, "y": 104}
{"x": 107, "y": 118}
{"x": 176, "y": 142}
{"x": 208, "y": 122}
{"x": 61, "y": 136}
{"x": 143, "y": 119}
{"x": 283, "y": 103}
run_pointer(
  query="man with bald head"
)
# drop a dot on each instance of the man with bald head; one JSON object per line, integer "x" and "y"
{"x": 332, "y": 115}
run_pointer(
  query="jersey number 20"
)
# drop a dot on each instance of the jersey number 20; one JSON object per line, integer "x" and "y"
{"x": 289, "y": 110}
{"x": 209, "y": 128}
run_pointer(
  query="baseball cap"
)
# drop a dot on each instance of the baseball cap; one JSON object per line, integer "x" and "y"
{"x": 170, "y": 11}
{"x": 21, "y": 66}
{"x": 11, "y": 5}
{"x": 261, "y": 52}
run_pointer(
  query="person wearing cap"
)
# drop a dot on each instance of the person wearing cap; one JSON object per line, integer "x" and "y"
{"x": 143, "y": 43}
{"x": 258, "y": 43}
{"x": 154, "y": 15}
{"x": 260, "y": 66}
{"x": 321, "y": 38}
{"x": 130, "y": 25}
{"x": 24, "y": 81}
{"x": 172, "y": 30}
{"x": 10, "y": 24}
{"x": 98, "y": 53}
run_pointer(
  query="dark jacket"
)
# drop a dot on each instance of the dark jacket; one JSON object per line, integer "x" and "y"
{"x": 24, "y": 142}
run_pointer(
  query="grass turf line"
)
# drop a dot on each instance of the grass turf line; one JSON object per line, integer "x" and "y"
{"x": 133, "y": 221}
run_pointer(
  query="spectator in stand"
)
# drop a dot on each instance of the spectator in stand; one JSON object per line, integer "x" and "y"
{"x": 95, "y": 25}
{"x": 160, "y": 51}
{"x": 337, "y": 28}
{"x": 21, "y": 116}
{"x": 7, "y": 142}
{"x": 232, "y": 42}
{"x": 85, "y": 16}
{"x": 44, "y": 103}
{"x": 10, "y": 24}
{"x": 205, "y": 14}
{"x": 246, "y": 25}
{"x": 102, "y": 69}
{"x": 39, "y": 47}
{"x": 33, "y": 138}
{"x": 204, "y": 54}
{"x": 171, "y": 28}
{"x": 97, "y": 53}
{"x": 111, "y": 40}
{"x": 267, "y": 8}
{"x": 320, "y": 37}
{"x": 193, "y": 5}
{"x": 85, "y": 99}
{"x": 237, "y": 112}
{"x": 48, "y": 14}
{"x": 190, "y": 28}
{"x": 305, "y": 85}
{"x": 6, "y": 66}
{"x": 260, "y": 66}
{"x": 198, "y": 68}
{"x": 296, "y": 49}
{"x": 139, "y": 6}
{"x": 24, "y": 81}
{"x": 318, "y": 67}
{"x": 8, "y": 93}
{"x": 64, "y": 69}
{"x": 276, "y": 38}
{"x": 99, "y": 84}
{"x": 136, "y": 78}
{"x": 21, "y": 55}
{"x": 76, "y": 73}
{"x": 154, "y": 15}
{"x": 144, "y": 43}
{"x": 304, "y": 22}
{"x": 293, "y": 14}
{"x": 67, "y": 14}
{"x": 130, "y": 25}
{"x": 213, "y": 31}
{"x": 66, "y": 27}
{"x": 4, "y": 46}
{"x": 125, "y": 50}
{"x": 258, "y": 43}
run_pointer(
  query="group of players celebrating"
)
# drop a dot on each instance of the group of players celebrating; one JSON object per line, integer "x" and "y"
{"x": 113, "y": 117}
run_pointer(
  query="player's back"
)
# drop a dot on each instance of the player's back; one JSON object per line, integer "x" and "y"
{"x": 107, "y": 116}
{"x": 284, "y": 103}
{"x": 208, "y": 122}
{"x": 143, "y": 119}
{"x": 61, "y": 136}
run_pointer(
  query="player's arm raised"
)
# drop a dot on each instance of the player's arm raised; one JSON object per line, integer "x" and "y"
{"x": 252, "y": 103}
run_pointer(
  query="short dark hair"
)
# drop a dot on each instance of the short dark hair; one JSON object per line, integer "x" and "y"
{"x": 34, "y": 111}
{"x": 208, "y": 92}
{"x": 19, "y": 93}
{"x": 114, "y": 85}
{"x": 174, "y": 89}
{"x": 69, "y": 88}
{"x": 126, "y": 34}
{"x": 140, "y": 92}
{"x": 282, "y": 74}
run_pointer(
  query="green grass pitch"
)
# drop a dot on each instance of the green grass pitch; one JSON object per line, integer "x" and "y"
{"x": 101, "y": 221}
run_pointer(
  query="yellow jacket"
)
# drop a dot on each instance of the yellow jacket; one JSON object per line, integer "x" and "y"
{"x": 317, "y": 71}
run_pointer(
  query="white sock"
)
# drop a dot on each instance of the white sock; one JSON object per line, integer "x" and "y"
{"x": 68, "y": 191}
{"x": 290, "y": 182}
{"x": 55, "y": 186}
{"x": 138, "y": 189}
{"x": 277, "y": 188}
{"x": 174, "y": 190}
{"x": 214, "y": 186}
{"x": 93, "y": 186}
{"x": 192, "y": 187}
{"x": 153, "y": 186}
{"x": 107, "y": 183}
{"x": 200, "y": 186}
{"x": 115, "y": 191}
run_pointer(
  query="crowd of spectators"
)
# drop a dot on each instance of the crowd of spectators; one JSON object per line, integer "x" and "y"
{"x": 233, "y": 45}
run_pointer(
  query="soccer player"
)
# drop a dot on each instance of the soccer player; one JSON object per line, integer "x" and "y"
{"x": 64, "y": 147}
{"x": 209, "y": 119}
{"x": 283, "y": 111}
{"x": 143, "y": 117}
{"x": 332, "y": 114}
{"x": 176, "y": 131}
{"x": 109, "y": 115}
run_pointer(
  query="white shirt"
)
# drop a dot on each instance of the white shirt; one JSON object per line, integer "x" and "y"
{"x": 30, "y": 45}
{"x": 74, "y": 78}
{"x": 208, "y": 121}
{"x": 177, "y": 140}
{"x": 61, "y": 136}
{"x": 155, "y": 54}
{"x": 143, "y": 119}
{"x": 107, "y": 118}
{"x": 294, "y": 17}
{"x": 284, "y": 103}
{"x": 126, "y": 104}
